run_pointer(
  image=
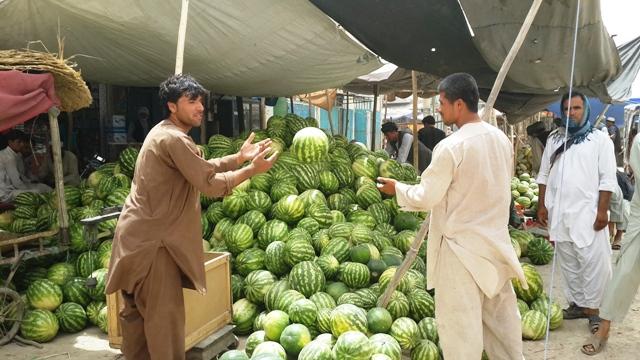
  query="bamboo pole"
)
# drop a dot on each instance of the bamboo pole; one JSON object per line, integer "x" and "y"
{"x": 424, "y": 228}
{"x": 511, "y": 56}
{"x": 63, "y": 217}
{"x": 373, "y": 117}
{"x": 182, "y": 33}
{"x": 414, "y": 93}
{"x": 329, "y": 110}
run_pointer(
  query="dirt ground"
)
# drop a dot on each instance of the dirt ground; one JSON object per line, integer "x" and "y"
{"x": 564, "y": 344}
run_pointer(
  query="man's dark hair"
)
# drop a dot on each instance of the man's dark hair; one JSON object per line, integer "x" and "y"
{"x": 14, "y": 134}
{"x": 429, "y": 120}
{"x": 389, "y": 127}
{"x": 461, "y": 86}
{"x": 180, "y": 85}
{"x": 573, "y": 94}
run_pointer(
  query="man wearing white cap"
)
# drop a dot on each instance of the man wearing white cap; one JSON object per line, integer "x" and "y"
{"x": 614, "y": 134}
{"x": 139, "y": 127}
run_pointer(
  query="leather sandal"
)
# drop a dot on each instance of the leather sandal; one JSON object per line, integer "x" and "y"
{"x": 595, "y": 345}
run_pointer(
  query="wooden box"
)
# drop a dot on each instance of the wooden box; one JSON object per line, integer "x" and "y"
{"x": 204, "y": 314}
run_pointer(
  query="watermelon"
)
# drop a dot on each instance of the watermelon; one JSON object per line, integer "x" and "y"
{"x": 421, "y": 304}
{"x": 44, "y": 294}
{"x": 309, "y": 224}
{"x": 237, "y": 287}
{"x": 258, "y": 321}
{"x": 398, "y": 305}
{"x": 368, "y": 195}
{"x": 327, "y": 182}
{"x": 282, "y": 189}
{"x": 87, "y": 263}
{"x": 425, "y": 350}
{"x": 274, "y": 323}
{"x": 71, "y": 317}
{"x": 271, "y": 348}
{"x": 337, "y": 289}
{"x": 354, "y": 275}
{"x": 304, "y": 312}
{"x": 60, "y": 273}
{"x": 379, "y": 320}
{"x": 348, "y": 317}
{"x": 235, "y": 204}
{"x": 244, "y": 312}
{"x": 76, "y": 291}
{"x": 329, "y": 265}
{"x": 539, "y": 251}
{"x": 534, "y": 282}
{"x": 239, "y": 238}
{"x": 127, "y": 160}
{"x": 234, "y": 355}
{"x": 338, "y": 247}
{"x": 274, "y": 259}
{"x": 249, "y": 260}
{"x": 294, "y": 337}
{"x": 522, "y": 307}
{"x": 289, "y": 209}
{"x": 316, "y": 350}
{"x": 361, "y": 234}
{"x": 262, "y": 182}
{"x": 352, "y": 345}
{"x": 39, "y": 325}
{"x": 406, "y": 332}
{"x": 542, "y": 305}
{"x": 404, "y": 239}
{"x": 273, "y": 230}
{"x": 97, "y": 293}
{"x": 406, "y": 221}
{"x": 271, "y": 298}
{"x": 534, "y": 325}
{"x": 428, "y": 329}
{"x": 365, "y": 166}
{"x": 387, "y": 345}
{"x": 307, "y": 177}
{"x": 93, "y": 311}
{"x": 254, "y": 340}
{"x": 323, "y": 300}
{"x": 362, "y": 217}
{"x": 256, "y": 285}
{"x": 307, "y": 278}
{"x": 297, "y": 251}
{"x": 286, "y": 298}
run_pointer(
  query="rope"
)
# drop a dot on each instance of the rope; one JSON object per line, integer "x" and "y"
{"x": 562, "y": 167}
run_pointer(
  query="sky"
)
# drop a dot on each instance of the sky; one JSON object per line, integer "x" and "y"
{"x": 621, "y": 18}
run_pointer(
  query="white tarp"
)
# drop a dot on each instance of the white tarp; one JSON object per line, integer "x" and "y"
{"x": 246, "y": 48}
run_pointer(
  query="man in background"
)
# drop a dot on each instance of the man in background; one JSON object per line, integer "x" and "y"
{"x": 400, "y": 146}
{"x": 12, "y": 178}
{"x": 614, "y": 135}
{"x": 429, "y": 135}
{"x": 139, "y": 128}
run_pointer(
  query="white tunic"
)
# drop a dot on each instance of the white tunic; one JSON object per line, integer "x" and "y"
{"x": 467, "y": 189}
{"x": 572, "y": 193}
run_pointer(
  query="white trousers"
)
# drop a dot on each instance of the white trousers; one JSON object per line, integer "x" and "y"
{"x": 586, "y": 271}
{"x": 468, "y": 321}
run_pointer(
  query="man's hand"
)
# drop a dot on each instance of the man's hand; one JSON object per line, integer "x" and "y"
{"x": 387, "y": 186}
{"x": 249, "y": 151}
{"x": 543, "y": 215}
{"x": 261, "y": 163}
{"x": 602, "y": 220}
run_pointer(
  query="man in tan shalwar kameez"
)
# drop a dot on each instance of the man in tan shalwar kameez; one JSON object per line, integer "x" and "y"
{"x": 157, "y": 247}
{"x": 470, "y": 260}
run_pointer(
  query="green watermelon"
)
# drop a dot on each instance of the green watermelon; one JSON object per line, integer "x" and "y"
{"x": 289, "y": 209}
{"x": 304, "y": 312}
{"x": 337, "y": 289}
{"x": 44, "y": 294}
{"x": 354, "y": 275}
{"x": 93, "y": 311}
{"x": 425, "y": 350}
{"x": 237, "y": 287}
{"x": 235, "y": 204}
{"x": 294, "y": 337}
{"x": 421, "y": 304}
{"x": 274, "y": 323}
{"x": 254, "y": 340}
{"x": 97, "y": 293}
{"x": 379, "y": 320}
{"x": 307, "y": 278}
{"x": 234, "y": 355}
{"x": 244, "y": 312}
{"x": 269, "y": 350}
{"x": 76, "y": 291}
{"x": 316, "y": 350}
{"x": 273, "y": 230}
{"x": 347, "y": 317}
{"x": 323, "y": 300}
{"x": 387, "y": 345}
{"x": 297, "y": 251}
{"x": 534, "y": 282}
{"x": 274, "y": 259}
{"x": 256, "y": 285}
{"x": 60, "y": 273}
{"x": 240, "y": 238}
{"x": 329, "y": 265}
{"x": 71, "y": 317}
{"x": 365, "y": 166}
{"x": 406, "y": 221}
{"x": 428, "y": 329}
{"x": 249, "y": 260}
{"x": 406, "y": 332}
{"x": 539, "y": 251}
{"x": 352, "y": 345}
{"x": 39, "y": 325}
{"x": 271, "y": 298}
{"x": 87, "y": 263}
{"x": 311, "y": 225}
{"x": 398, "y": 305}
{"x": 287, "y": 298}
{"x": 127, "y": 160}
{"x": 534, "y": 325}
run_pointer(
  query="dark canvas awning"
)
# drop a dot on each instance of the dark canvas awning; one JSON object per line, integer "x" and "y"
{"x": 433, "y": 37}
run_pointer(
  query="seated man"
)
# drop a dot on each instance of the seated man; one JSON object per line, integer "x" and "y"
{"x": 70, "y": 172}
{"x": 12, "y": 182}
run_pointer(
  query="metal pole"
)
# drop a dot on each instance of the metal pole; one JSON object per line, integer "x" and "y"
{"x": 373, "y": 117}
{"x": 63, "y": 217}
{"x": 346, "y": 125}
{"x": 329, "y": 110}
{"x": 182, "y": 32}
{"x": 414, "y": 93}
{"x": 601, "y": 116}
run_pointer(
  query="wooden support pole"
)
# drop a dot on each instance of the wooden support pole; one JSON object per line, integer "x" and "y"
{"x": 329, "y": 111}
{"x": 511, "y": 56}
{"x": 414, "y": 93}
{"x": 309, "y": 100}
{"x": 182, "y": 33}
{"x": 263, "y": 114}
{"x": 63, "y": 217}
{"x": 291, "y": 101}
{"x": 346, "y": 124}
{"x": 374, "y": 129}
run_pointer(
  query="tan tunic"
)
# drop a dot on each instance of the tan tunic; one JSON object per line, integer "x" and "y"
{"x": 163, "y": 208}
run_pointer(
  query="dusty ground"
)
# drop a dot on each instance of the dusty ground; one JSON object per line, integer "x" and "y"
{"x": 564, "y": 343}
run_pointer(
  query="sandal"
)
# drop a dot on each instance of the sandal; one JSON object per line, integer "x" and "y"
{"x": 594, "y": 346}
{"x": 594, "y": 323}
{"x": 574, "y": 312}
{"x": 616, "y": 245}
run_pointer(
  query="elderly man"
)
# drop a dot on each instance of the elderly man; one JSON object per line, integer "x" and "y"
{"x": 400, "y": 146}
{"x": 577, "y": 178}
{"x": 470, "y": 261}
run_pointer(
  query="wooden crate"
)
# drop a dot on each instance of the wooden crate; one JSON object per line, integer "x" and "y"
{"x": 204, "y": 314}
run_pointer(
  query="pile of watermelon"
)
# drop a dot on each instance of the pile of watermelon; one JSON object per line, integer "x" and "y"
{"x": 538, "y": 249}
{"x": 524, "y": 191}
{"x": 54, "y": 287}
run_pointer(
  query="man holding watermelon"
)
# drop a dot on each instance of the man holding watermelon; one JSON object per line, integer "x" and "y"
{"x": 470, "y": 260}
{"x": 157, "y": 247}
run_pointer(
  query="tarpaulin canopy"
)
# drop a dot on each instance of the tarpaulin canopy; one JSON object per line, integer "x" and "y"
{"x": 244, "y": 48}
{"x": 24, "y": 96}
{"x": 434, "y": 37}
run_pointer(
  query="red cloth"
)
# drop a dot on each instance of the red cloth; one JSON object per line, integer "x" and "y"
{"x": 24, "y": 96}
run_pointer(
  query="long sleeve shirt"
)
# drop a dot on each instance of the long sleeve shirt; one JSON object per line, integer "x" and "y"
{"x": 574, "y": 183}
{"x": 467, "y": 189}
{"x": 163, "y": 208}
{"x": 11, "y": 177}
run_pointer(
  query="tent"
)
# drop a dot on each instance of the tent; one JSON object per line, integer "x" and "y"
{"x": 443, "y": 37}
{"x": 243, "y": 48}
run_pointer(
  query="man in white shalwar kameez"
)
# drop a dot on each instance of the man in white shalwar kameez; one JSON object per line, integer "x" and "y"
{"x": 470, "y": 260}
{"x": 575, "y": 189}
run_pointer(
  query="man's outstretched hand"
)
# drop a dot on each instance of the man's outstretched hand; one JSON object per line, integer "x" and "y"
{"x": 386, "y": 185}
{"x": 249, "y": 151}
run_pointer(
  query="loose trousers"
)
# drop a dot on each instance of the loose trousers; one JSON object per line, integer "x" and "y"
{"x": 622, "y": 288}
{"x": 153, "y": 317}
{"x": 468, "y": 321}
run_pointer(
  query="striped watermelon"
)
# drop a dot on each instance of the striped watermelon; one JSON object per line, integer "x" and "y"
{"x": 328, "y": 182}
{"x": 127, "y": 160}
{"x": 323, "y": 300}
{"x": 338, "y": 247}
{"x": 117, "y": 197}
{"x": 380, "y": 212}
{"x": 23, "y": 226}
{"x": 542, "y": 305}
{"x": 386, "y": 230}
{"x": 214, "y": 214}
{"x": 222, "y": 228}
{"x": 239, "y": 238}
{"x": 262, "y": 182}
{"x": 387, "y": 345}
{"x": 343, "y": 173}
{"x": 253, "y": 341}
{"x": 310, "y": 144}
{"x": 307, "y": 177}
{"x": 286, "y": 298}
{"x": 362, "y": 217}
{"x": 425, "y": 350}
{"x": 280, "y": 190}
{"x": 60, "y": 273}
{"x": 289, "y": 209}
{"x": 406, "y": 332}
{"x": 309, "y": 224}
{"x": 76, "y": 291}
{"x": 341, "y": 230}
{"x": 87, "y": 263}
{"x": 304, "y": 312}
{"x": 93, "y": 311}
{"x": 307, "y": 278}
{"x": 234, "y": 355}
{"x": 27, "y": 199}
{"x": 324, "y": 320}
{"x": 219, "y": 142}
{"x": 365, "y": 166}
{"x": 421, "y": 304}
{"x": 39, "y": 325}
{"x": 329, "y": 265}
{"x": 321, "y": 213}
{"x": 274, "y": 259}
{"x": 273, "y": 230}
{"x": 361, "y": 181}
{"x": 299, "y": 250}
{"x": 338, "y": 202}
{"x": 534, "y": 281}
{"x": 353, "y": 345}
{"x": 320, "y": 239}
{"x": 255, "y": 219}
{"x": 354, "y": 275}
{"x": 24, "y": 212}
{"x": 313, "y": 197}
{"x": 350, "y": 298}
{"x": 237, "y": 287}
{"x": 361, "y": 234}
{"x": 379, "y": 320}
{"x": 256, "y": 285}
{"x": 235, "y": 205}
{"x": 244, "y": 312}
{"x": 398, "y": 305}
{"x": 97, "y": 293}
{"x": 347, "y": 317}
{"x": 391, "y": 169}
{"x": 274, "y": 323}
{"x": 534, "y": 325}
{"x": 337, "y": 217}
{"x": 249, "y": 260}
{"x": 428, "y": 329}
{"x": 269, "y": 350}
{"x": 258, "y": 200}
{"x": 271, "y": 298}
{"x": 316, "y": 350}
{"x": 257, "y": 322}
{"x": 404, "y": 239}
{"x": 71, "y": 317}
{"x": 44, "y": 294}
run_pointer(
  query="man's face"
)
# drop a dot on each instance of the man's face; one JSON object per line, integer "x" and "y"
{"x": 18, "y": 146}
{"x": 448, "y": 110}
{"x": 188, "y": 111}
{"x": 143, "y": 116}
{"x": 577, "y": 109}
{"x": 392, "y": 136}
